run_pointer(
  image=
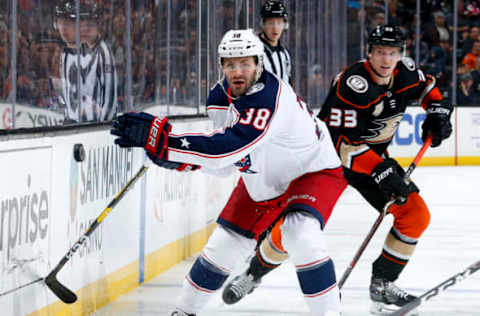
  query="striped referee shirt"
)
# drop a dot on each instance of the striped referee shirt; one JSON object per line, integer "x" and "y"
{"x": 98, "y": 95}
{"x": 277, "y": 60}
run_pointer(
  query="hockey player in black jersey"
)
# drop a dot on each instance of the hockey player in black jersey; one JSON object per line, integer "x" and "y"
{"x": 363, "y": 110}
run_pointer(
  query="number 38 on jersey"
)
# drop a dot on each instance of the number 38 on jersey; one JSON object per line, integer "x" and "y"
{"x": 258, "y": 118}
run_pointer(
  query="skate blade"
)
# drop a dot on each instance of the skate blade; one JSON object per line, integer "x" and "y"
{"x": 386, "y": 309}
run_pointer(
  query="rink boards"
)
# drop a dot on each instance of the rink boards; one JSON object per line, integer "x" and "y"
{"x": 48, "y": 200}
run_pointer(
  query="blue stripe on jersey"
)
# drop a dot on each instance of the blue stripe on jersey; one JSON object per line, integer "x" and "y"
{"x": 206, "y": 276}
{"x": 317, "y": 278}
{"x": 256, "y": 112}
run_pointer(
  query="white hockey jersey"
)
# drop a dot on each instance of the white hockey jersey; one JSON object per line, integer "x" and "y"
{"x": 269, "y": 134}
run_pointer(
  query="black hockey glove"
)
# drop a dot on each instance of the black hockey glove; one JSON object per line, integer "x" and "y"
{"x": 438, "y": 123}
{"x": 390, "y": 181}
{"x": 172, "y": 165}
{"x": 142, "y": 130}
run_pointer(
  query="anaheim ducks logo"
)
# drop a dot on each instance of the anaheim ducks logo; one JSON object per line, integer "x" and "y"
{"x": 382, "y": 130}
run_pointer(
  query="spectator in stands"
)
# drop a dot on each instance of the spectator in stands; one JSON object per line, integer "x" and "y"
{"x": 378, "y": 19}
{"x": 472, "y": 37}
{"x": 438, "y": 31}
{"x": 45, "y": 68}
{"x": 393, "y": 16}
{"x": 472, "y": 59}
{"x": 436, "y": 61}
{"x": 466, "y": 92}
{"x": 411, "y": 49}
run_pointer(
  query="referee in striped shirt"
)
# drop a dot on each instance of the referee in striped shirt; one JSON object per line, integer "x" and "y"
{"x": 277, "y": 58}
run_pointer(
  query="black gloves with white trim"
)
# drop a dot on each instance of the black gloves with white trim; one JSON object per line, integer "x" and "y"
{"x": 438, "y": 122}
{"x": 389, "y": 180}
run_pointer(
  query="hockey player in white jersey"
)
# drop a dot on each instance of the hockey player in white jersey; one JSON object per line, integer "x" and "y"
{"x": 290, "y": 175}
{"x": 94, "y": 98}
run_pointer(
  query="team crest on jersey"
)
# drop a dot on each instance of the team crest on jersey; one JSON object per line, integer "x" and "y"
{"x": 357, "y": 83}
{"x": 409, "y": 63}
{"x": 244, "y": 165}
{"x": 255, "y": 88}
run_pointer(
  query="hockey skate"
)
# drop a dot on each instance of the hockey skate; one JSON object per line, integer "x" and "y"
{"x": 239, "y": 287}
{"x": 387, "y": 297}
{"x": 178, "y": 312}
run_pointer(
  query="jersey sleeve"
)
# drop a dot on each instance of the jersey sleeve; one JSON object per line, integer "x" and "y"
{"x": 420, "y": 87}
{"x": 217, "y": 106}
{"x": 227, "y": 145}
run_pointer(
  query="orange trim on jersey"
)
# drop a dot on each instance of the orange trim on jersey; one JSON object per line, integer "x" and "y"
{"x": 408, "y": 87}
{"x": 367, "y": 161}
{"x": 346, "y": 140}
{"x": 276, "y": 235}
{"x": 434, "y": 95}
{"x": 366, "y": 64}
{"x": 353, "y": 104}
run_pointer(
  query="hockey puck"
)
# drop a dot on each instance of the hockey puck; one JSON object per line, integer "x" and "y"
{"x": 79, "y": 152}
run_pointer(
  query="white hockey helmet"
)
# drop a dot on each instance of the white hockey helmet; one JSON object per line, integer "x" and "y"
{"x": 241, "y": 43}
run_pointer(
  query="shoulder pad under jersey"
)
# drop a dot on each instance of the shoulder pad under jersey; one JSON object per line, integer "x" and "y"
{"x": 409, "y": 63}
{"x": 407, "y": 74}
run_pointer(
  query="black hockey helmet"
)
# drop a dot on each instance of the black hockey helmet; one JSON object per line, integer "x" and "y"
{"x": 273, "y": 9}
{"x": 386, "y": 35}
{"x": 89, "y": 9}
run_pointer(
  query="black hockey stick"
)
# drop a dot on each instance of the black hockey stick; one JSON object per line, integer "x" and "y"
{"x": 63, "y": 293}
{"x": 439, "y": 288}
{"x": 380, "y": 217}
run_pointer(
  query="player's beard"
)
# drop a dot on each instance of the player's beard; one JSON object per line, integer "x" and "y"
{"x": 247, "y": 84}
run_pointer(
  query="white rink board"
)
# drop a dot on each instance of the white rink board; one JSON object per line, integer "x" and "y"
{"x": 176, "y": 206}
{"x": 408, "y": 138}
{"x": 468, "y": 131}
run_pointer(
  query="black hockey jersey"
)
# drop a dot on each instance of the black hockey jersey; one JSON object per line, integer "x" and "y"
{"x": 362, "y": 116}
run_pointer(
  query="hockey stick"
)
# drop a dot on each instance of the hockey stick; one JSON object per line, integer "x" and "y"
{"x": 439, "y": 288}
{"x": 384, "y": 212}
{"x": 62, "y": 292}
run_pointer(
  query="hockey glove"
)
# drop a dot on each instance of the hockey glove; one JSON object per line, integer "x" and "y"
{"x": 437, "y": 123}
{"x": 142, "y": 130}
{"x": 389, "y": 180}
{"x": 172, "y": 165}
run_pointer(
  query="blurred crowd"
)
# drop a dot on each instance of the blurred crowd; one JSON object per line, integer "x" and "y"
{"x": 165, "y": 49}
{"x": 436, "y": 39}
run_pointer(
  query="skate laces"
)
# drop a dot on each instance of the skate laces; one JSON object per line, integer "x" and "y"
{"x": 395, "y": 290}
{"x": 241, "y": 286}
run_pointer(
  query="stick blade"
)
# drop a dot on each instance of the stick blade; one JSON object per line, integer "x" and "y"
{"x": 64, "y": 294}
